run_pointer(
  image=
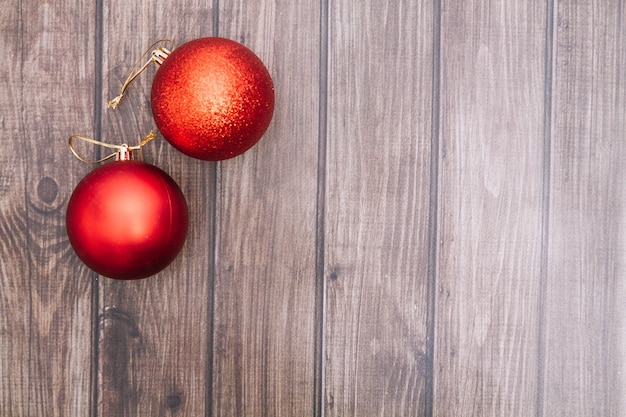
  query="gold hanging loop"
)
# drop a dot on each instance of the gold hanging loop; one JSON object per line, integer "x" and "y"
{"x": 122, "y": 152}
{"x": 157, "y": 56}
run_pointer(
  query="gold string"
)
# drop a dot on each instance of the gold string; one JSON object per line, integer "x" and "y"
{"x": 118, "y": 148}
{"x": 157, "y": 56}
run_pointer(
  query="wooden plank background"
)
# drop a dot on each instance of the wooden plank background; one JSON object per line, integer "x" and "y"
{"x": 433, "y": 225}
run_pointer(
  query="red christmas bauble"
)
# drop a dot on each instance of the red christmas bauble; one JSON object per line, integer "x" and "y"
{"x": 127, "y": 220}
{"x": 212, "y": 98}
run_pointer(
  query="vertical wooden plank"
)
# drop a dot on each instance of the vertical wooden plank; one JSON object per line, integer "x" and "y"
{"x": 377, "y": 207}
{"x": 265, "y": 266}
{"x": 14, "y": 271}
{"x": 490, "y": 208}
{"x": 60, "y": 327}
{"x": 45, "y": 329}
{"x": 584, "y": 330}
{"x": 154, "y": 341}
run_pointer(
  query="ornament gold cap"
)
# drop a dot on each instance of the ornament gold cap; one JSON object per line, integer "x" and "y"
{"x": 124, "y": 153}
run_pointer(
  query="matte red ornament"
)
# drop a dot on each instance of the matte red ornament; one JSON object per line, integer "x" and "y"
{"x": 127, "y": 220}
{"x": 212, "y": 98}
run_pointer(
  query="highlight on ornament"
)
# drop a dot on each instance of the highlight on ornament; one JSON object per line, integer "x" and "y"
{"x": 126, "y": 219}
{"x": 211, "y": 98}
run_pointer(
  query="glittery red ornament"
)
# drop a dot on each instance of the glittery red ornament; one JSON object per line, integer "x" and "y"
{"x": 127, "y": 220}
{"x": 212, "y": 98}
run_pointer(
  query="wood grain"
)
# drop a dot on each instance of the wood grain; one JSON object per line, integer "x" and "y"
{"x": 15, "y": 303}
{"x": 490, "y": 209}
{"x": 46, "y": 331}
{"x": 154, "y": 351}
{"x": 584, "y": 325}
{"x": 433, "y": 225}
{"x": 377, "y": 208}
{"x": 265, "y": 257}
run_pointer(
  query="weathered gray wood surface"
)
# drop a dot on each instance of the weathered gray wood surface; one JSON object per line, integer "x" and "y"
{"x": 584, "y": 327}
{"x": 433, "y": 225}
{"x": 376, "y": 208}
{"x": 154, "y": 348}
{"x": 490, "y": 208}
